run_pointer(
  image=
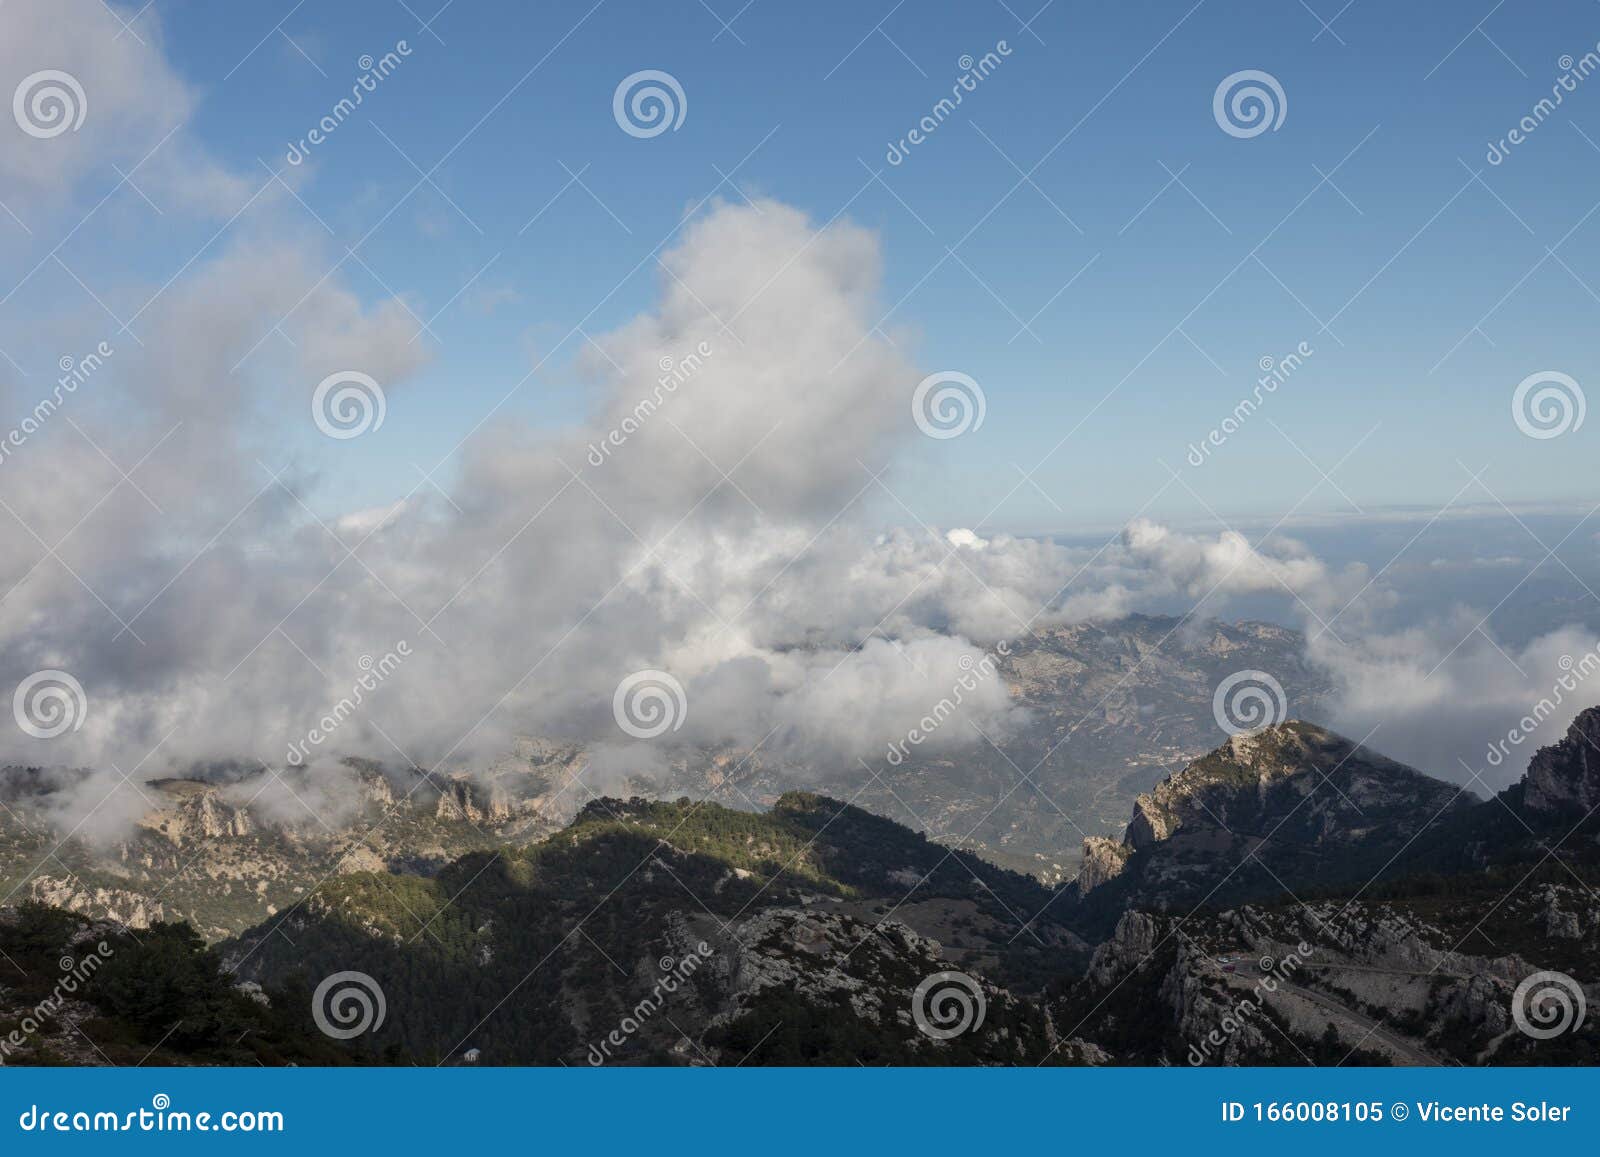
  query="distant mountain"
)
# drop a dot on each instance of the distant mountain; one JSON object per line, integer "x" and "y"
{"x": 1112, "y": 707}
{"x": 209, "y": 852}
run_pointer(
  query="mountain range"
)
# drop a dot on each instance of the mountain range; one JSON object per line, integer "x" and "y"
{"x": 1108, "y": 710}
{"x": 1289, "y": 897}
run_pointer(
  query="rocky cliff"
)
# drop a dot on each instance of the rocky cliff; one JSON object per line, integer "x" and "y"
{"x": 1291, "y": 804}
{"x": 1564, "y": 779}
{"x": 221, "y": 854}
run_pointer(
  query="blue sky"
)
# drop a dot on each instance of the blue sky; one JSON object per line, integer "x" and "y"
{"x": 1401, "y": 253}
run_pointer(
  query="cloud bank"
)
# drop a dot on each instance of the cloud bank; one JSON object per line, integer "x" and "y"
{"x": 730, "y": 534}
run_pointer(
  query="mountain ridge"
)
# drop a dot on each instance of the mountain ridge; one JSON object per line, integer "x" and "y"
{"x": 1392, "y": 913}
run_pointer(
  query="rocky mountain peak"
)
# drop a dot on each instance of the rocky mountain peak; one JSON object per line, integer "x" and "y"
{"x": 1565, "y": 776}
{"x": 189, "y": 810}
{"x": 1256, "y": 776}
{"x": 462, "y": 798}
{"x": 1293, "y": 795}
{"x": 1242, "y": 768}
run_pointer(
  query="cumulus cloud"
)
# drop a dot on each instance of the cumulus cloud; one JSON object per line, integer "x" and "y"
{"x": 1445, "y": 696}
{"x": 725, "y": 536}
{"x": 1229, "y": 564}
{"x": 321, "y": 795}
{"x": 129, "y": 107}
{"x": 718, "y": 516}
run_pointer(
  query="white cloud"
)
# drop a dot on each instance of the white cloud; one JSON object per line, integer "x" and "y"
{"x": 732, "y": 537}
{"x": 135, "y": 113}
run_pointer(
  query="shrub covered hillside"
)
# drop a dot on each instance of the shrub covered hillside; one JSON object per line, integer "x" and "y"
{"x": 76, "y": 991}
{"x": 529, "y": 954}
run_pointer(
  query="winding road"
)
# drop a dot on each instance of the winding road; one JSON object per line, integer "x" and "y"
{"x": 1367, "y": 1027}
